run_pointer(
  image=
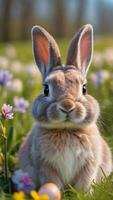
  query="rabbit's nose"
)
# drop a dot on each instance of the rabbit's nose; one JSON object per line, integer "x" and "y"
{"x": 67, "y": 106}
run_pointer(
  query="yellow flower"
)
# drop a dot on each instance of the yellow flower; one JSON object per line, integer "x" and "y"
{"x": 44, "y": 197}
{"x": 18, "y": 196}
{"x": 36, "y": 196}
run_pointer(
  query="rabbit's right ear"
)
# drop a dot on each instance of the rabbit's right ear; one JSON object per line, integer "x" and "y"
{"x": 46, "y": 51}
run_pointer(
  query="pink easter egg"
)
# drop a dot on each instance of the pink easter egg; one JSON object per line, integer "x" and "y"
{"x": 51, "y": 190}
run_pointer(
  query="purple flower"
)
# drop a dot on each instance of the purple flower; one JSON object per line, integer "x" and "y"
{"x": 100, "y": 77}
{"x": 5, "y": 77}
{"x": 6, "y": 111}
{"x": 20, "y": 104}
{"x": 22, "y": 181}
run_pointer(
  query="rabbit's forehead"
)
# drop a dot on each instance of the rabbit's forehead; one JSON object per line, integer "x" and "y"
{"x": 62, "y": 77}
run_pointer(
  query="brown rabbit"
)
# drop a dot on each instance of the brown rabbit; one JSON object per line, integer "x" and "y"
{"x": 65, "y": 146}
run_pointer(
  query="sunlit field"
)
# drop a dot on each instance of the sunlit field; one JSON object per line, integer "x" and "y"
{"x": 22, "y": 83}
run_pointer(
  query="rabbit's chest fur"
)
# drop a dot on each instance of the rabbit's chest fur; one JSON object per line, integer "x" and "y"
{"x": 68, "y": 161}
{"x": 65, "y": 152}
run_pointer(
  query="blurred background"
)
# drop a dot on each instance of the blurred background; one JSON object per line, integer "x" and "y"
{"x": 20, "y": 80}
{"x": 61, "y": 17}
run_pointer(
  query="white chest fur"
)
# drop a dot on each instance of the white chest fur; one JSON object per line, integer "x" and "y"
{"x": 65, "y": 152}
{"x": 67, "y": 159}
{"x": 66, "y": 163}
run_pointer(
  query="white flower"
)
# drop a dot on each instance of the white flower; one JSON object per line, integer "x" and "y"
{"x": 16, "y": 66}
{"x": 108, "y": 56}
{"x": 4, "y": 62}
{"x": 10, "y": 51}
{"x": 15, "y": 85}
{"x": 98, "y": 59}
{"x": 32, "y": 70}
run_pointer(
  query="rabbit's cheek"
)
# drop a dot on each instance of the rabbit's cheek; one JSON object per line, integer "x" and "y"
{"x": 79, "y": 113}
{"x": 54, "y": 115}
{"x": 92, "y": 113}
{"x": 39, "y": 109}
{"x": 93, "y": 110}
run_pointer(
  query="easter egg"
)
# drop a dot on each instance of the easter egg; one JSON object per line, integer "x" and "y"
{"x": 51, "y": 190}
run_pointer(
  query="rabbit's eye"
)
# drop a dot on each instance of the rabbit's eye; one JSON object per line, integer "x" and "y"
{"x": 46, "y": 90}
{"x": 84, "y": 89}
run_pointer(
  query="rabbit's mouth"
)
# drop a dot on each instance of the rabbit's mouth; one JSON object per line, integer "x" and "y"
{"x": 69, "y": 113}
{"x": 59, "y": 117}
{"x": 67, "y": 119}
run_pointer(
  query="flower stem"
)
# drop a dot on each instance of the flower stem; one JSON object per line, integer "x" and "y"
{"x": 5, "y": 160}
{"x": 3, "y": 126}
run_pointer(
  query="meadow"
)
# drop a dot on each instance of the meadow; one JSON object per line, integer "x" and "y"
{"x": 22, "y": 83}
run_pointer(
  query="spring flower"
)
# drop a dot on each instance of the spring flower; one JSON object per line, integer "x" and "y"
{"x": 16, "y": 66}
{"x": 100, "y": 77}
{"x": 22, "y": 181}
{"x": 4, "y": 62}
{"x": 20, "y": 104}
{"x": 15, "y": 85}
{"x": 18, "y": 196}
{"x": 5, "y": 77}
{"x": 10, "y": 51}
{"x": 6, "y": 111}
{"x": 31, "y": 70}
{"x": 36, "y": 196}
{"x": 98, "y": 59}
{"x": 108, "y": 56}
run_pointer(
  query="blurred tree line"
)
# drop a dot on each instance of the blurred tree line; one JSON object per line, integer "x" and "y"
{"x": 61, "y": 17}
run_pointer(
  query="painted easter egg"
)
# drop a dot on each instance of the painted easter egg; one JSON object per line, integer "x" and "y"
{"x": 51, "y": 190}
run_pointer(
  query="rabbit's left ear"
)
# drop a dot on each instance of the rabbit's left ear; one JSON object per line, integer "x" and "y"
{"x": 81, "y": 49}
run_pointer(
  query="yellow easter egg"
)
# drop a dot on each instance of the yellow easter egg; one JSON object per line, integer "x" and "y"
{"x": 51, "y": 190}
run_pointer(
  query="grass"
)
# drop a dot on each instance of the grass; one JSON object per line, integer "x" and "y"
{"x": 22, "y": 123}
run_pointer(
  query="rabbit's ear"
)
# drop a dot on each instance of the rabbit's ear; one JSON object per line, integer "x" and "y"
{"x": 81, "y": 49}
{"x": 46, "y": 51}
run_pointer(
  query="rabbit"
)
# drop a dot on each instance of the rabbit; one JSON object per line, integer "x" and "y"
{"x": 65, "y": 146}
